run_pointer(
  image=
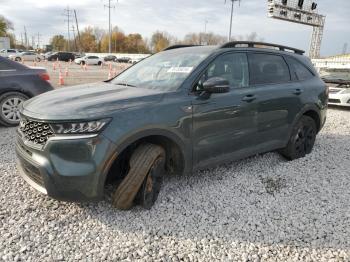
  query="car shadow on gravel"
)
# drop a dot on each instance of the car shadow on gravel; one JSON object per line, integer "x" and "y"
{"x": 262, "y": 199}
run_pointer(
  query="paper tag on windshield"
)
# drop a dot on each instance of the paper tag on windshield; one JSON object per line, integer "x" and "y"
{"x": 180, "y": 70}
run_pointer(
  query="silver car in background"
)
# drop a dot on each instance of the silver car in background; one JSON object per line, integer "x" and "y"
{"x": 338, "y": 82}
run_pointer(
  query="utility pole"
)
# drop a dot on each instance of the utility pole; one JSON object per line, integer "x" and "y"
{"x": 33, "y": 41}
{"x": 67, "y": 13}
{"x": 345, "y": 48}
{"x": 75, "y": 40}
{"x": 205, "y": 26}
{"x": 26, "y": 38}
{"x": 76, "y": 21}
{"x": 38, "y": 43}
{"x": 109, "y": 6}
{"x": 232, "y": 5}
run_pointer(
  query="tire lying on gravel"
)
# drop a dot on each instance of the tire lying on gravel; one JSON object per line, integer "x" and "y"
{"x": 144, "y": 179}
{"x": 9, "y": 108}
{"x": 302, "y": 139}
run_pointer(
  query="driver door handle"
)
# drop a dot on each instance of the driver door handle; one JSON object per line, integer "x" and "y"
{"x": 249, "y": 98}
{"x": 298, "y": 92}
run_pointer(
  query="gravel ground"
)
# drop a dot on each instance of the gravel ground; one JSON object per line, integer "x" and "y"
{"x": 260, "y": 209}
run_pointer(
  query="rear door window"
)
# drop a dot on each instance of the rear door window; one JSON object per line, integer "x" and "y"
{"x": 268, "y": 69}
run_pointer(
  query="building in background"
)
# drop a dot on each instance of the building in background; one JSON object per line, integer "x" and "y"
{"x": 5, "y": 43}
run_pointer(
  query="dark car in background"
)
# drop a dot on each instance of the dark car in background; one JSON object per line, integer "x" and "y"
{"x": 17, "y": 84}
{"x": 123, "y": 60}
{"x": 61, "y": 56}
{"x": 110, "y": 58}
{"x": 178, "y": 111}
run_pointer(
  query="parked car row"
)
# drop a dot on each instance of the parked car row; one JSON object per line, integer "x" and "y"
{"x": 339, "y": 86}
{"x": 113, "y": 58}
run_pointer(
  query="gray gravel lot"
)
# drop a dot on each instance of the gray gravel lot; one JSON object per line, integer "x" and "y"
{"x": 260, "y": 209}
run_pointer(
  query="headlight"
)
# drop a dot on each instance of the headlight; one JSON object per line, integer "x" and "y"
{"x": 92, "y": 127}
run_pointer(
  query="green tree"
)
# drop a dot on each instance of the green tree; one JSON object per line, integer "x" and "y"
{"x": 5, "y": 26}
{"x": 88, "y": 40}
{"x": 135, "y": 44}
{"x": 159, "y": 41}
{"x": 58, "y": 42}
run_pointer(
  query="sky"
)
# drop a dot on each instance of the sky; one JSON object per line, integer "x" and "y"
{"x": 179, "y": 17}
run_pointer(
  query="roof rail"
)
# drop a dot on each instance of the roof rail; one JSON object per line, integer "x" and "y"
{"x": 178, "y": 46}
{"x": 262, "y": 45}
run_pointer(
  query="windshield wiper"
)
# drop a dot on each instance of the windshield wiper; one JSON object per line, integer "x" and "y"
{"x": 124, "y": 84}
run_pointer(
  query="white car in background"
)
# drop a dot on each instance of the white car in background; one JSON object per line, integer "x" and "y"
{"x": 7, "y": 52}
{"x": 338, "y": 82}
{"x": 26, "y": 56}
{"x": 89, "y": 60}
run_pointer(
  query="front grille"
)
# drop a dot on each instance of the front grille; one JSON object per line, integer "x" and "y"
{"x": 334, "y": 101}
{"x": 35, "y": 132}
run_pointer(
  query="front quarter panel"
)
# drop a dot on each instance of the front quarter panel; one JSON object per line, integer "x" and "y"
{"x": 171, "y": 118}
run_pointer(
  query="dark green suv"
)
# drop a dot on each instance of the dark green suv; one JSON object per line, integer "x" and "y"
{"x": 183, "y": 109}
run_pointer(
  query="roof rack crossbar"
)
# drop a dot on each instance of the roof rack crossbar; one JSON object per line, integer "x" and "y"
{"x": 251, "y": 44}
{"x": 178, "y": 46}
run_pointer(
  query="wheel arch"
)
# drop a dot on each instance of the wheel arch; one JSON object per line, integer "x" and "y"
{"x": 177, "y": 156}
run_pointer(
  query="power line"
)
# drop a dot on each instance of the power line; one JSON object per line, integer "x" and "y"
{"x": 109, "y": 6}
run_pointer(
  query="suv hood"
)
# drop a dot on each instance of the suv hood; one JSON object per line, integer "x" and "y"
{"x": 88, "y": 101}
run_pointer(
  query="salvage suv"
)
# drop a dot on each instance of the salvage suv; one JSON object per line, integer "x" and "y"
{"x": 183, "y": 109}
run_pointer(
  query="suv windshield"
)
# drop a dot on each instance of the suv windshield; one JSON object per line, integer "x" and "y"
{"x": 164, "y": 71}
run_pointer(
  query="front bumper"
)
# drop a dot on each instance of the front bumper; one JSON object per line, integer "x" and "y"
{"x": 68, "y": 170}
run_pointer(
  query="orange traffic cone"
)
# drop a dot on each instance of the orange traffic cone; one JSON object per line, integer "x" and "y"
{"x": 60, "y": 79}
{"x": 109, "y": 74}
{"x": 66, "y": 73}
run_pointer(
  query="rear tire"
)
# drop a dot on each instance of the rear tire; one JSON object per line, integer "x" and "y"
{"x": 9, "y": 108}
{"x": 143, "y": 179}
{"x": 99, "y": 63}
{"x": 302, "y": 139}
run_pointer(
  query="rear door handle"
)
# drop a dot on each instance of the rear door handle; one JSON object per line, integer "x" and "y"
{"x": 298, "y": 92}
{"x": 249, "y": 98}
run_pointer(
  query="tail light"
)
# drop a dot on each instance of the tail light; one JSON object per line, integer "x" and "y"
{"x": 45, "y": 76}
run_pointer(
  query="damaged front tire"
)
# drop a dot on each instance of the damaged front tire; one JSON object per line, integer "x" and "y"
{"x": 147, "y": 166}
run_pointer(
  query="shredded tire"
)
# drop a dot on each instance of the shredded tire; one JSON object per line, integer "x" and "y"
{"x": 141, "y": 162}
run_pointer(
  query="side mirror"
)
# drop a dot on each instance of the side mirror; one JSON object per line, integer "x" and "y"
{"x": 216, "y": 85}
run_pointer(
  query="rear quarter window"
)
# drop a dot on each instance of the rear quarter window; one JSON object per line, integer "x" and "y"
{"x": 268, "y": 69}
{"x": 298, "y": 70}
